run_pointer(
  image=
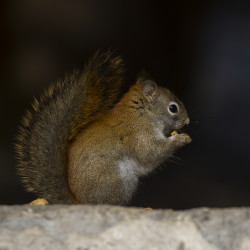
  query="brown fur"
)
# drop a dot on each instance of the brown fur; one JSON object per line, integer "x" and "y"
{"x": 128, "y": 131}
{"x": 81, "y": 143}
{"x": 57, "y": 117}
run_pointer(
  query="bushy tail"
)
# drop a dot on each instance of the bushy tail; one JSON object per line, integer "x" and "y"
{"x": 57, "y": 117}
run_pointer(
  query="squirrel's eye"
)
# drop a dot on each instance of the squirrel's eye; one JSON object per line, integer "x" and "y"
{"x": 173, "y": 108}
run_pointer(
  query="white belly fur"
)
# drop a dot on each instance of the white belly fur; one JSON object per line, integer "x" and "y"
{"x": 130, "y": 170}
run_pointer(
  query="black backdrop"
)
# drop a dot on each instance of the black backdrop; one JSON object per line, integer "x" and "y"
{"x": 198, "y": 49}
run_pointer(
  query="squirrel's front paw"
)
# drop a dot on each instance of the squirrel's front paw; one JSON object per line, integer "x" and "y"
{"x": 182, "y": 139}
{"x": 186, "y": 138}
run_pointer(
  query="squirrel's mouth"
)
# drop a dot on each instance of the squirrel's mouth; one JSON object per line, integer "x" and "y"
{"x": 172, "y": 132}
{"x": 178, "y": 129}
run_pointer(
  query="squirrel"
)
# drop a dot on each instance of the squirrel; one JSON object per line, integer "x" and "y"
{"x": 84, "y": 142}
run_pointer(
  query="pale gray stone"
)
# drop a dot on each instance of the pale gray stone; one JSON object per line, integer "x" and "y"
{"x": 112, "y": 228}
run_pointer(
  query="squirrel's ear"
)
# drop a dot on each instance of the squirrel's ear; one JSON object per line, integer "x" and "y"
{"x": 143, "y": 76}
{"x": 150, "y": 90}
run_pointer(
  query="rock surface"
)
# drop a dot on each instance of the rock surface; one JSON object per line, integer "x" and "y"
{"x": 113, "y": 228}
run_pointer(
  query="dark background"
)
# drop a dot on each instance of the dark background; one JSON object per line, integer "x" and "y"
{"x": 198, "y": 49}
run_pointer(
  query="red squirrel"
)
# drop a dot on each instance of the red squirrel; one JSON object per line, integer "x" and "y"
{"x": 81, "y": 142}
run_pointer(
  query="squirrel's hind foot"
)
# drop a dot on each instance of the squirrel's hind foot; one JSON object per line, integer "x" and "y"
{"x": 39, "y": 202}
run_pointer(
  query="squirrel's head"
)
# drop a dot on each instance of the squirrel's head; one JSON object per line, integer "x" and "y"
{"x": 163, "y": 107}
